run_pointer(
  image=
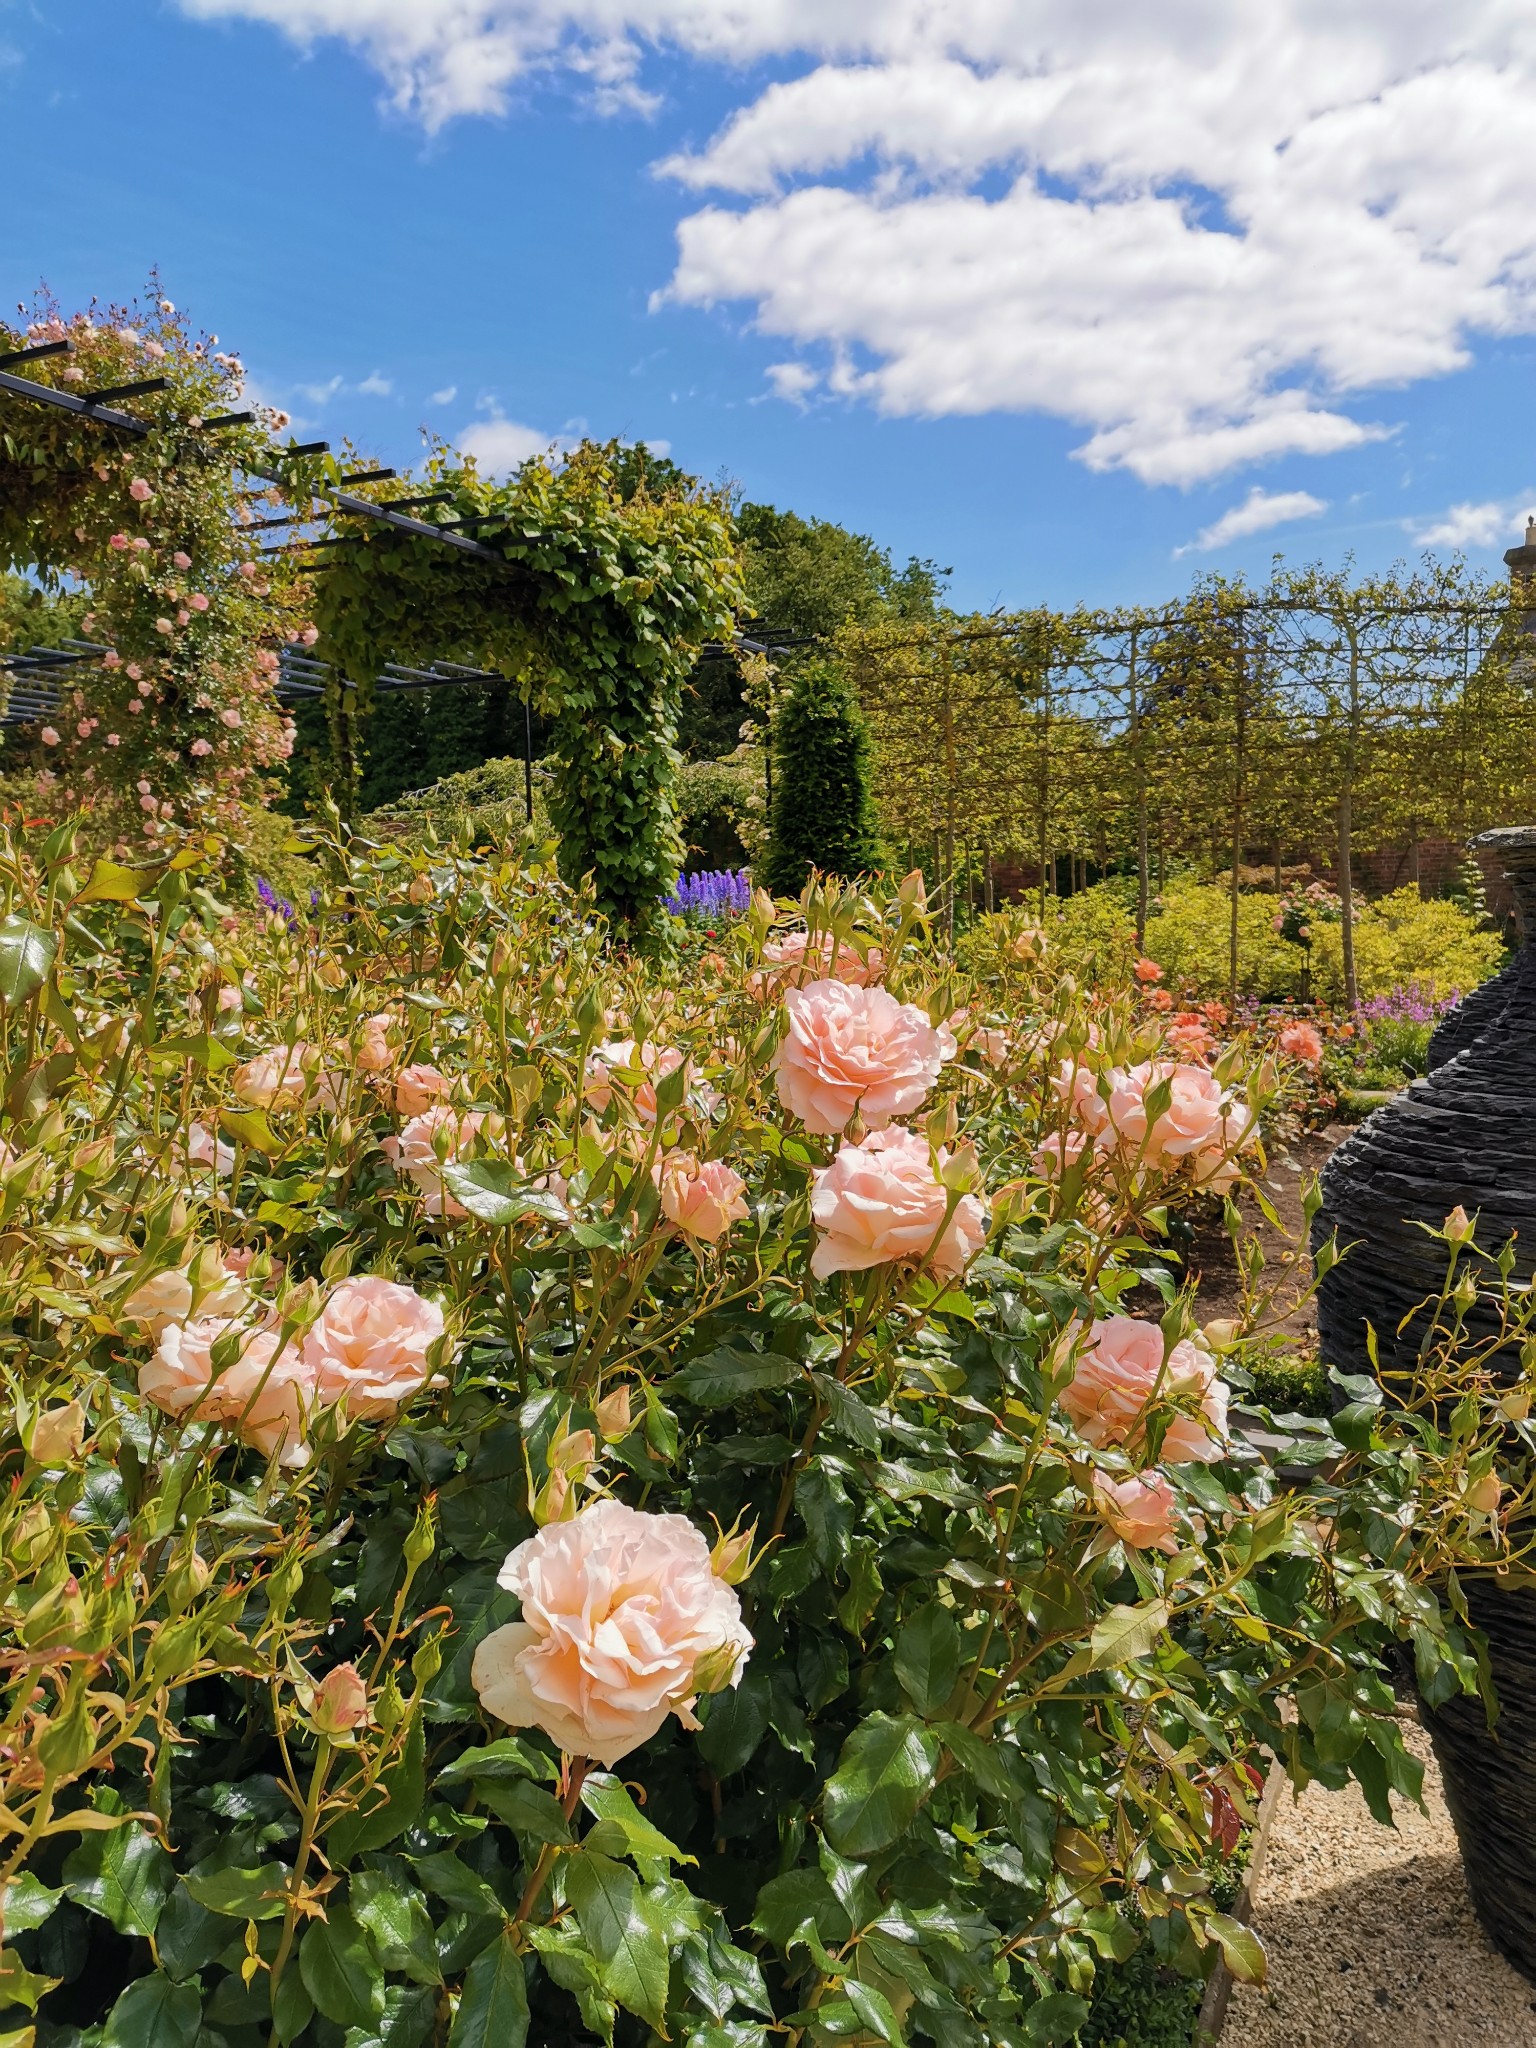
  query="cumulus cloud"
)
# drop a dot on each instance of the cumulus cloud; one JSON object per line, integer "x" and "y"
{"x": 445, "y": 396}
{"x": 1257, "y": 513}
{"x": 377, "y": 385}
{"x": 1486, "y": 525}
{"x": 1205, "y": 235}
{"x": 500, "y": 446}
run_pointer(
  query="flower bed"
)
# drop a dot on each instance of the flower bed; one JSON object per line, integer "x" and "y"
{"x": 551, "y": 1497}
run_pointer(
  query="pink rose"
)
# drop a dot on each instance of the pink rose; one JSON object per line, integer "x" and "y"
{"x": 231, "y": 718}
{"x": 49, "y": 736}
{"x": 1216, "y": 1164}
{"x": 1302, "y": 1042}
{"x": 1123, "y": 1369}
{"x": 262, "y": 1394}
{"x": 200, "y": 748}
{"x": 339, "y": 1703}
{"x": 635, "y": 1069}
{"x": 994, "y": 1046}
{"x": 702, "y": 1201}
{"x": 119, "y": 542}
{"x": 1140, "y": 1510}
{"x": 369, "y": 1345}
{"x": 197, "y": 601}
{"x": 620, "y": 1611}
{"x": 204, "y": 1149}
{"x": 1078, "y": 1087}
{"x": 881, "y": 1200}
{"x": 309, "y": 636}
{"x": 276, "y": 1079}
{"x": 791, "y": 960}
{"x": 417, "y": 1088}
{"x": 164, "y": 626}
{"x": 373, "y": 1051}
{"x": 858, "y": 1049}
{"x": 181, "y": 559}
{"x": 415, "y": 1152}
{"x": 1192, "y": 1119}
{"x": 140, "y": 491}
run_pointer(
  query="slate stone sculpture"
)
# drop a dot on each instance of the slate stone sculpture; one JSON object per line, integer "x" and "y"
{"x": 1471, "y": 1017}
{"x": 1465, "y": 1134}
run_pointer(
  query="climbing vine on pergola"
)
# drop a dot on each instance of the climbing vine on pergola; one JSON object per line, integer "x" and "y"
{"x": 594, "y": 605}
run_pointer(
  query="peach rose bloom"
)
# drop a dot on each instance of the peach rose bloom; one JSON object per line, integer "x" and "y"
{"x": 262, "y": 1395}
{"x": 619, "y": 1611}
{"x": 1192, "y": 1120}
{"x": 372, "y": 1049}
{"x": 858, "y": 1049}
{"x": 1302, "y": 1042}
{"x": 1140, "y": 1510}
{"x": 274, "y": 1080}
{"x": 994, "y": 1046}
{"x": 1190, "y": 1036}
{"x": 165, "y": 1297}
{"x": 790, "y": 961}
{"x": 609, "y": 1066}
{"x": 1078, "y": 1087}
{"x": 415, "y": 1153}
{"x": 368, "y": 1346}
{"x": 204, "y": 1149}
{"x": 881, "y": 1201}
{"x": 701, "y": 1201}
{"x": 417, "y": 1088}
{"x": 1123, "y": 1369}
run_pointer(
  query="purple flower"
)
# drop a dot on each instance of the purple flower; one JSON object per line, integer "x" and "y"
{"x": 1412, "y": 1003}
{"x": 712, "y": 893}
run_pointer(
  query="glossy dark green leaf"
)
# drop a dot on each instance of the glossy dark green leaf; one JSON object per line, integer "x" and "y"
{"x": 885, "y": 1772}
{"x": 340, "y": 1973}
{"x": 1055, "y": 2020}
{"x": 154, "y": 2013}
{"x": 26, "y": 955}
{"x": 928, "y": 1658}
{"x": 388, "y": 1810}
{"x": 727, "y": 1375}
{"x": 397, "y": 1921}
{"x": 493, "y": 2005}
{"x": 255, "y": 1894}
{"x": 28, "y": 1903}
{"x": 526, "y": 1808}
{"x": 493, "y": 1191}
{"x": 609, "y": 1803}
{"x": 510, "y": 1757}
{"x": 626, "y": 1945}
{"x": 123, "y": 1874}
{"x": 735, "y": 1722}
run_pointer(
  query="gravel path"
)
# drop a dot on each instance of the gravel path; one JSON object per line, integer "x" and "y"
{"x": 1371, "y": 1937}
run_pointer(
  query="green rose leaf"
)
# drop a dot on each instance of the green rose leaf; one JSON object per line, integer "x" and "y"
{"x": 154, "y": 2013}
{"x": 339, "y": 1972}
{"x": 391, "y": 1806}
{"x": 123, "y": 1874}
{"x": 397, "y": 1921}
{"x": 606, "y": 1799}
{"x": 1241, "y": 1949}
{"x": 494, "y": 1191}
{"x": 1125, "y": 1633}
{"x": 26, "y": 954}
{"x": 735, "y": 1722}
{"x": 928, "y": 1658}
{"x": 885, "y": 1772}
{"x": 626, "y": 1944}
{"x": 28, "y": 1903}
{"x": 1056, "y": 2019}
{"x": 257, "y": 1894}
{"x": 727, "y": 1375}
{"x": 493, "y": 2006}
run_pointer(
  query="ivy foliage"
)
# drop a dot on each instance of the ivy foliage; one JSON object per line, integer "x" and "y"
{"x": 596, "y": 606}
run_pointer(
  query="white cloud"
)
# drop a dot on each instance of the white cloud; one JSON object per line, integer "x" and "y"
{"x": 322, "y": 394}
{"x": 1257, "y": 513}
{"x": 1477, "y": 526}
{"x": 377, "y": 385}
{"x": 1201, "y": 233}
{"x": 500, "y": 446}
{"x": 445, "y": 396}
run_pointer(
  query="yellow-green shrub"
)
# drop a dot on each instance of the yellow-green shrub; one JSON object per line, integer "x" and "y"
{"x": 1189, "y": 935}
{"x": 1403, "y": 938}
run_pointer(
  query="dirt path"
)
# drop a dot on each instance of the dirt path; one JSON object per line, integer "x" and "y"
{"x": 1210, "y": 1257}
{"x": 1371, "y": 1937}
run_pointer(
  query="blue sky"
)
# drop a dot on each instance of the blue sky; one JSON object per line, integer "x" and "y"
{"x": 913, "y": 287}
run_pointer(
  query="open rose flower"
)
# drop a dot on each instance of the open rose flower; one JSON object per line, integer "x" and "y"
{"x": 418, "y": 1087}
{"x": 416, "y": 1152}
{"x": 1193, "y": 1120}
{"x": 1140, "y": 1510}
{"x": 701, "y": 1201}
{"x": 264, "y": 1394}
{"x": 1056, "y": 1154}
{"x": 371, "y": 1046}
{"x": 1216, "y": 1164}
{"x": 279, "y": 1079}
{"x": 881, "y": 1201}
{"x": 791, "y": 961}
{"x": 1122, "y": 1370}
{"x": 369, "y": 1346}
{"x": 624, "y": 1622}
{"x": 1078, "y": 1087}
{"x": 1302, "y": 1041}
{"x": 856, "y": 1049}
{"x": 633, "y": 1069}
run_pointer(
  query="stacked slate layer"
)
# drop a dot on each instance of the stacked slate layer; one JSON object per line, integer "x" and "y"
{"x": 1466, "y": 1134}
{"x": 1471, "y": 1017}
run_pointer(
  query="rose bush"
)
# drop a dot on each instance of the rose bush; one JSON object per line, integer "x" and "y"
{"x": 383, "y": 1481}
